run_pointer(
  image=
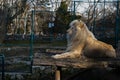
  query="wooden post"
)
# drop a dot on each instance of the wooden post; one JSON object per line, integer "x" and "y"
{"x": 57, "y": 73}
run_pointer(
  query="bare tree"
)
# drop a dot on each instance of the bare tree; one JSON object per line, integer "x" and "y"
{"x": 7, "y": 14}
{"x": 3, "y": 16}
{"x": 97, "y": 10}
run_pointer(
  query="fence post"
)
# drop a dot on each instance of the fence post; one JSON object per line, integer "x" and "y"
{"x": 117, "y": 25}
{"x": 3, "y": 71}
{"x": 58, "y": 73}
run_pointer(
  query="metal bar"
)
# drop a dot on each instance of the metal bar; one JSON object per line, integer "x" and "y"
{"x": 31, "y": 64}
{"x": 3, "y": 70}
{"x": 117, "y": 25}
{"x": 74, "y": 10}
{"x": 94, "y": 16}
{"x": 103, "y": 29}
{"x": 10, "y": 45}
{"x": 32, "y": 34}
{"x": 95, "y": 1}
{"x": 32, "y": 38}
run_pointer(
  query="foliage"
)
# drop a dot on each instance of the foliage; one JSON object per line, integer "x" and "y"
{"x": 6, "y": 14}
{"x": 62, "y": 18}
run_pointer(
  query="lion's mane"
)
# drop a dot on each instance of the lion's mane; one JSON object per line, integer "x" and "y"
{"x": 81, "y": 41}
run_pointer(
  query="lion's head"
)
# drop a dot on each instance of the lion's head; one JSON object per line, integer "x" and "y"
{"x": 73, "y": 30}
{"x": 76, "y": 34}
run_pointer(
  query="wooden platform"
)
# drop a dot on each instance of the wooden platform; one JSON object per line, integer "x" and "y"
{"x": 45, "y": 59}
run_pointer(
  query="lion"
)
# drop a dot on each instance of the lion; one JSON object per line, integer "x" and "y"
{"x": 82, "y": 42}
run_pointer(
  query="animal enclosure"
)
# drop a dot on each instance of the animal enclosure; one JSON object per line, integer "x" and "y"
{"x": 28, "y": 27}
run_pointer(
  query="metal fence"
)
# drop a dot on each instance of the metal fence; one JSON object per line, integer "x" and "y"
{"x": 35, "y": 21}
{"x": 2, "y": 74}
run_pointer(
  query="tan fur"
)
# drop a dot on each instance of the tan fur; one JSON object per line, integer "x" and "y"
{"x": 81, "y": 41}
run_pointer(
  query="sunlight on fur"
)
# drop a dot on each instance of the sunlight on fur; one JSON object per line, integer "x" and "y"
{"x": 82, "y": 42}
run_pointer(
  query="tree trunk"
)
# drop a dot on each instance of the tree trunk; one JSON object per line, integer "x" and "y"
{"x": 3, "y": 20}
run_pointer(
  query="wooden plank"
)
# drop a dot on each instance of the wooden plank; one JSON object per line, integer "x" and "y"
{"x": 46, "y": 60}
{"x": 57, "y": 73}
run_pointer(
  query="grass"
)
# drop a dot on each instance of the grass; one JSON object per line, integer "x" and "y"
{"x": 36, "y": 42}
{"x": 17, "y": 67}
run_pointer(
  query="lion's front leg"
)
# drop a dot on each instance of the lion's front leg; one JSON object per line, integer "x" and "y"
{"x": 70, "y": 54}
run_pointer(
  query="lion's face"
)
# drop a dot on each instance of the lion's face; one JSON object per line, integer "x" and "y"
{"x": 74, "y": 30}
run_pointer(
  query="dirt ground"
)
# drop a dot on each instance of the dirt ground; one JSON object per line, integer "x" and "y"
{"x": 96, "y": 74}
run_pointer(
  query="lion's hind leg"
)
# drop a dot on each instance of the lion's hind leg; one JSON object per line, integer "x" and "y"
{"x": 66, "y": 55}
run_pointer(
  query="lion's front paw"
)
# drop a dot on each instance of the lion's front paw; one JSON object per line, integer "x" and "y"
{"x": 57, "y": 56}
{"x": 66, "y": 55}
